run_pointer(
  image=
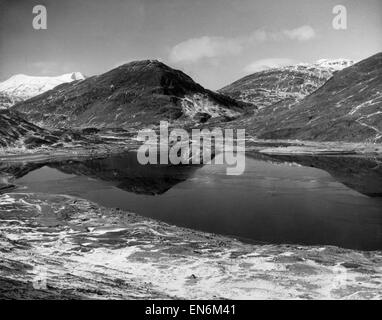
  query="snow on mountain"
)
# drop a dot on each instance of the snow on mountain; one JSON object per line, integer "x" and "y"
{"x": 347, "y": 107}
{"x": 288, "y": 83}
{"x": 335, "y": 64}
{"x": 22, "y": 87}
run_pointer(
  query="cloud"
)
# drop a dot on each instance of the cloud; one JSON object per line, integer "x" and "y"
{"x": 303, "y": 33}
{"x": 195, "y": 49}
{"x": 265, "y": 64}
{"x": 205, "y": 47}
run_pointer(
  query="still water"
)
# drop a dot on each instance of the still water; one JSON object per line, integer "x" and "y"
{"x": 313, "y": 201}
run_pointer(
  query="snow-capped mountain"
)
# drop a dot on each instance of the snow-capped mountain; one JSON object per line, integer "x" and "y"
{"x": 348, "y": 107}
{"x": 22, "y": 87}
{"x": 285, "y": 84}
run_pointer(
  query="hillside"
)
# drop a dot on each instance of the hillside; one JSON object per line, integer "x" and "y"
{"x": 348, "y": 107}
{"x": 286, "y": 85}
{"x": 16, "y": 132}
{"x": 137, "y": 93}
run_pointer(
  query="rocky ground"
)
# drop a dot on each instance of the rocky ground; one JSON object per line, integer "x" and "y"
{"x": 63, "y": 247}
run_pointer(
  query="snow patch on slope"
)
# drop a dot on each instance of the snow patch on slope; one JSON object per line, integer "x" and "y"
{"x": 199, "y": 103}
{"x": 335, "y": 64}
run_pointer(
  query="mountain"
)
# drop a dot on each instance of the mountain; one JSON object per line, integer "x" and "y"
{"x": 137, "y": 93}
{"x": 348, "y": 107}
{"x": 21, "y": 87}
{"x": 16, "y": 132}
{"x": 285, "y": 85}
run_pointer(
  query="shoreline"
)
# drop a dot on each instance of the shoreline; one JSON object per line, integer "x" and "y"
{"x": 266, "y": 147}
{"x": 89, "y": 251}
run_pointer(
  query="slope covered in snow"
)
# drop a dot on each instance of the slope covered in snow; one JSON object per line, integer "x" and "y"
{"x": 22, "y": 87}
{"x": 348, "y": 107}
{"x": 288, "y": 84}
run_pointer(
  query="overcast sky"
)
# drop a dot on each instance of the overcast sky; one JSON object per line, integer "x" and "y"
{"x": 214, "y": 41}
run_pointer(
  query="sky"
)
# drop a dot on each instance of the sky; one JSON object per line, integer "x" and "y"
{"x": 214, "y": 41}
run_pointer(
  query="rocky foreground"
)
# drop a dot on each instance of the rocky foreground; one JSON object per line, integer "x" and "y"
{"x": 63, "y": 247}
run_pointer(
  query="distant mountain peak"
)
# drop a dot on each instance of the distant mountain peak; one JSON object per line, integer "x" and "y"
{"x": 20, "y": 77}
{"x": 20, "y": 87}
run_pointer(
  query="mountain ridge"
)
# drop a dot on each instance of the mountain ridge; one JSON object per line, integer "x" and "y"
{"x": 284, "y": 84}
{"x": 137, "y": 93}
{"x": 348, "y": 107}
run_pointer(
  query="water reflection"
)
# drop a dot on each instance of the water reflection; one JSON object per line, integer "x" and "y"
{"x": 274, "y": 201}
{"x": 129, "y": 174}
{"x": 361, "y": 174}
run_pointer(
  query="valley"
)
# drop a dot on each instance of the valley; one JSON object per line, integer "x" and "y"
{"x": 75, "y": 202}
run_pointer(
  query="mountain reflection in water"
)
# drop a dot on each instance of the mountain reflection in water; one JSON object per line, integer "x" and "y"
{"x": 361, "y": 174}
{"x": 129, "y": 174}
{"x": 274, "y": 201}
